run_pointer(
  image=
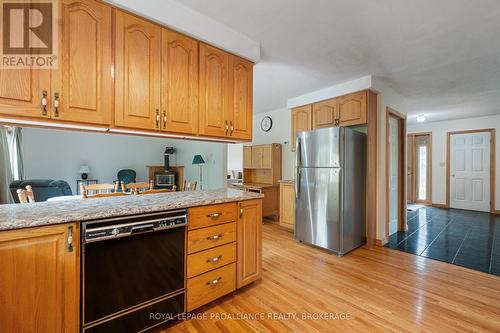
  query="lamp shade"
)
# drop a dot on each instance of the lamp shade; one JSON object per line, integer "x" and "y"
{"x": 198, "y": 159}
{"x": 84, "y": 169}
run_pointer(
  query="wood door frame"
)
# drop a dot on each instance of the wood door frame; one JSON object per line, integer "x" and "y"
{"x": 402, "y": 225}
{"x": 414, "y": 163}
{"x": 492, "y": 164}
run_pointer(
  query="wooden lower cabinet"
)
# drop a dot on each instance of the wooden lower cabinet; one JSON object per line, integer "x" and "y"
{"x": 39, "y": 280}
{"x": 249, "y": 239}
{"x": 287, "y": 205}
{"x": 223, "y": 257}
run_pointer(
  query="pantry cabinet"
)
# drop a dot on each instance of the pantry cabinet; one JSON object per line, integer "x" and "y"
{"x": 81, "y": 82}
{"x": 137, "y": 74}
{"x": 179, "y": 83}
{"x": 40, "y": 276}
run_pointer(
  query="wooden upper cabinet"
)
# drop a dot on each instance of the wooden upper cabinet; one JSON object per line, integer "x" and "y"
{"x": 137, "y": 73}
{"x": 241, "y": 83}
{"x": 214, "y": 91}
{"x": 352, "y": 109}
{"x": 324, "y": 114}
{"x": 301, "y": 121}
{"x": 247, "y": 157}
{"x": 179, "y": 83}
{"x": 22, "y": 90}
{"x": 249, "y": 240}
{"x": 82, "y": 82}
{"x": 40, "y": 280}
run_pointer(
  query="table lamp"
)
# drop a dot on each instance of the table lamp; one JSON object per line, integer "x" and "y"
{"x": 198, "y": 159}
{"x": 84, "y": 171}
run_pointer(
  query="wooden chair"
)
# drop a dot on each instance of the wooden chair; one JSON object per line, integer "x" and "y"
{"x": 27, "y": 195}
{"x": 190, "y": 186}
{"x": 97, "y": 188}
{"x": 136, "y": 188}
{"x": 163, "y": 190}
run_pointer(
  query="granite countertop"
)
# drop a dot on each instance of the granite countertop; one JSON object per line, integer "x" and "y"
{"x": 17, "y": 216}
{"x": 287, "y": 181}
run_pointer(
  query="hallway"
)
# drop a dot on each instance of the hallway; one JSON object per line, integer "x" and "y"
{"x": 465, "y": 238}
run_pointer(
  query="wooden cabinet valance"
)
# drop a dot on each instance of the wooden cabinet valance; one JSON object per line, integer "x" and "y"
{"x": 163, "y": 81}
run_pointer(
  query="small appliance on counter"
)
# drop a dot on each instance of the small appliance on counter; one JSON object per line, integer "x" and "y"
{"x": 166, "y": 178}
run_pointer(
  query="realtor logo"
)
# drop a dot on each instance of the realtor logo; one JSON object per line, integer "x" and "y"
{"x": 29, "y": 34}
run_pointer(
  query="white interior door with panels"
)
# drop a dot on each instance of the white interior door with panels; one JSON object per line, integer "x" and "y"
{"x": 393, "y": 174}
{"x": 470, "y": 171}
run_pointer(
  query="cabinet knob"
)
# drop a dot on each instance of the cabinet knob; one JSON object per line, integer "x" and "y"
{"x": 164, "y": 119}
{"x": 157, "y": 118}
{"x": 56, "y": 104}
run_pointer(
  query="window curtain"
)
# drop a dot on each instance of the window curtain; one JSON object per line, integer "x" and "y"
{"x": 16, "y": 153}
{"x": 5, "y": 168}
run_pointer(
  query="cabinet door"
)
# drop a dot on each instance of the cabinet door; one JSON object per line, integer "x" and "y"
{"x": 249, "y": 240}
{"x": 352, "y": 109}
{"x": 267, "y": 156}
{"x": 301, "y": 121}
{"x": 257, "y": 157}
{"x": 40, "y": 280}
{"x": 324, "y": 114}
{"x": 137, "y": 73}
{"x": 247, "y": 157}
{"x": 241, "y": 83}
{"x": 287, "y": 205}
{"x": 21, "y": 92}
{"x": 214, "y": 91}
{"x": 179, "y": 83}
{"x": 83, "y": 79}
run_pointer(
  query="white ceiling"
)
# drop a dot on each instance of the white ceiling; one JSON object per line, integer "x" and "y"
{"x": 442, "y": 55}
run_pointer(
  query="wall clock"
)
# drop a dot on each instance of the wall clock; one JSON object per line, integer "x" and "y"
{"x": 266, "y": 124}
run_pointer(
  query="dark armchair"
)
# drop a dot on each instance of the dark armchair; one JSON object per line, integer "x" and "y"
{"x": 43, "y": 189}
{"x": 126, "y": 176}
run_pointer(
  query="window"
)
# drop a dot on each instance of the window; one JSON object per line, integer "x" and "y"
{"x": 422, "y": 173}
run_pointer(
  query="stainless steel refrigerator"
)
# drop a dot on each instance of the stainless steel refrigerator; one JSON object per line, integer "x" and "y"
{"x": 330, "y": 183}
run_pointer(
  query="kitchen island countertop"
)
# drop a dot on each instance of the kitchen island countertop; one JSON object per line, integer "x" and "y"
{"x": 18, "y": 216}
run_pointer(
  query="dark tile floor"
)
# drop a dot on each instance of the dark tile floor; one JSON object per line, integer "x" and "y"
{"x": 466, "y": 238}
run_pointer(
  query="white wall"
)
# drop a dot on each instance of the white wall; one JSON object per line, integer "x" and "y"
{"x": 439, "y": 141}
{"x": 235, "y": 156}
{"x": 56, "y": 154}
{"x": 279, "y": 133}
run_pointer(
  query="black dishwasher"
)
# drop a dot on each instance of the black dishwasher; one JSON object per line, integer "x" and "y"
{"x": 132, "y": 271}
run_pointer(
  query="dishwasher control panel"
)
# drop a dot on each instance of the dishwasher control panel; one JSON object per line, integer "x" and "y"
{"x": 106, "y": 229}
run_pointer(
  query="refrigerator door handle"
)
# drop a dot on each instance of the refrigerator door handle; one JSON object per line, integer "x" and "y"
{"x": 297, "y": 166}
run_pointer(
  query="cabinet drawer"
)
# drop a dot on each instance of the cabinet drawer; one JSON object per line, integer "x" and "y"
{"x": 206, "y": 238}
{"x": 205, "y": 216}
{"x": 210, "y": 286}
{"x": 208, "y": 260}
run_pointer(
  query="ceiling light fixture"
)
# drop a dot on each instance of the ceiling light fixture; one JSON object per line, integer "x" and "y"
{"x": 420, "y": 118}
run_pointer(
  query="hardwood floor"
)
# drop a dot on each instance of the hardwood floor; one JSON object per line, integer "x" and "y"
{"x": 376, "y": 289}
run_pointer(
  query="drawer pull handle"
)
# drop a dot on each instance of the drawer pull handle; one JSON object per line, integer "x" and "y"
{"x": 214, "y": 237}
{"x": 215, "y": 215}
{"x": 214, "y": 282}
{"x": 214, "y": 259}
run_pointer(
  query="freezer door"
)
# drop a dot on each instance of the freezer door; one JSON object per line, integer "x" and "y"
{"x": 319, "y": 148}
{"x": 317, "y": 207}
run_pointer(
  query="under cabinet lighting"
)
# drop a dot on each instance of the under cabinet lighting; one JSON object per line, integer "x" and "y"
{"x": 420, "y": 118}
{"x": 34, "y": 123}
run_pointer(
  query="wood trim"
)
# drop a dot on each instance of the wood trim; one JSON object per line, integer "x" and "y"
{"x": 414, "y": 168}
{"x": 381, "y": 242}
{"x": 372, "y": 176}
{"x": 438, "y": 205}
{"x": 492, "y": 163}
{"x": 389, "y": 112}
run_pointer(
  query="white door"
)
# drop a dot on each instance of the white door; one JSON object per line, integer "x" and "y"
{"x": 470, "y": 171}
{"x": 393, "y": 146}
